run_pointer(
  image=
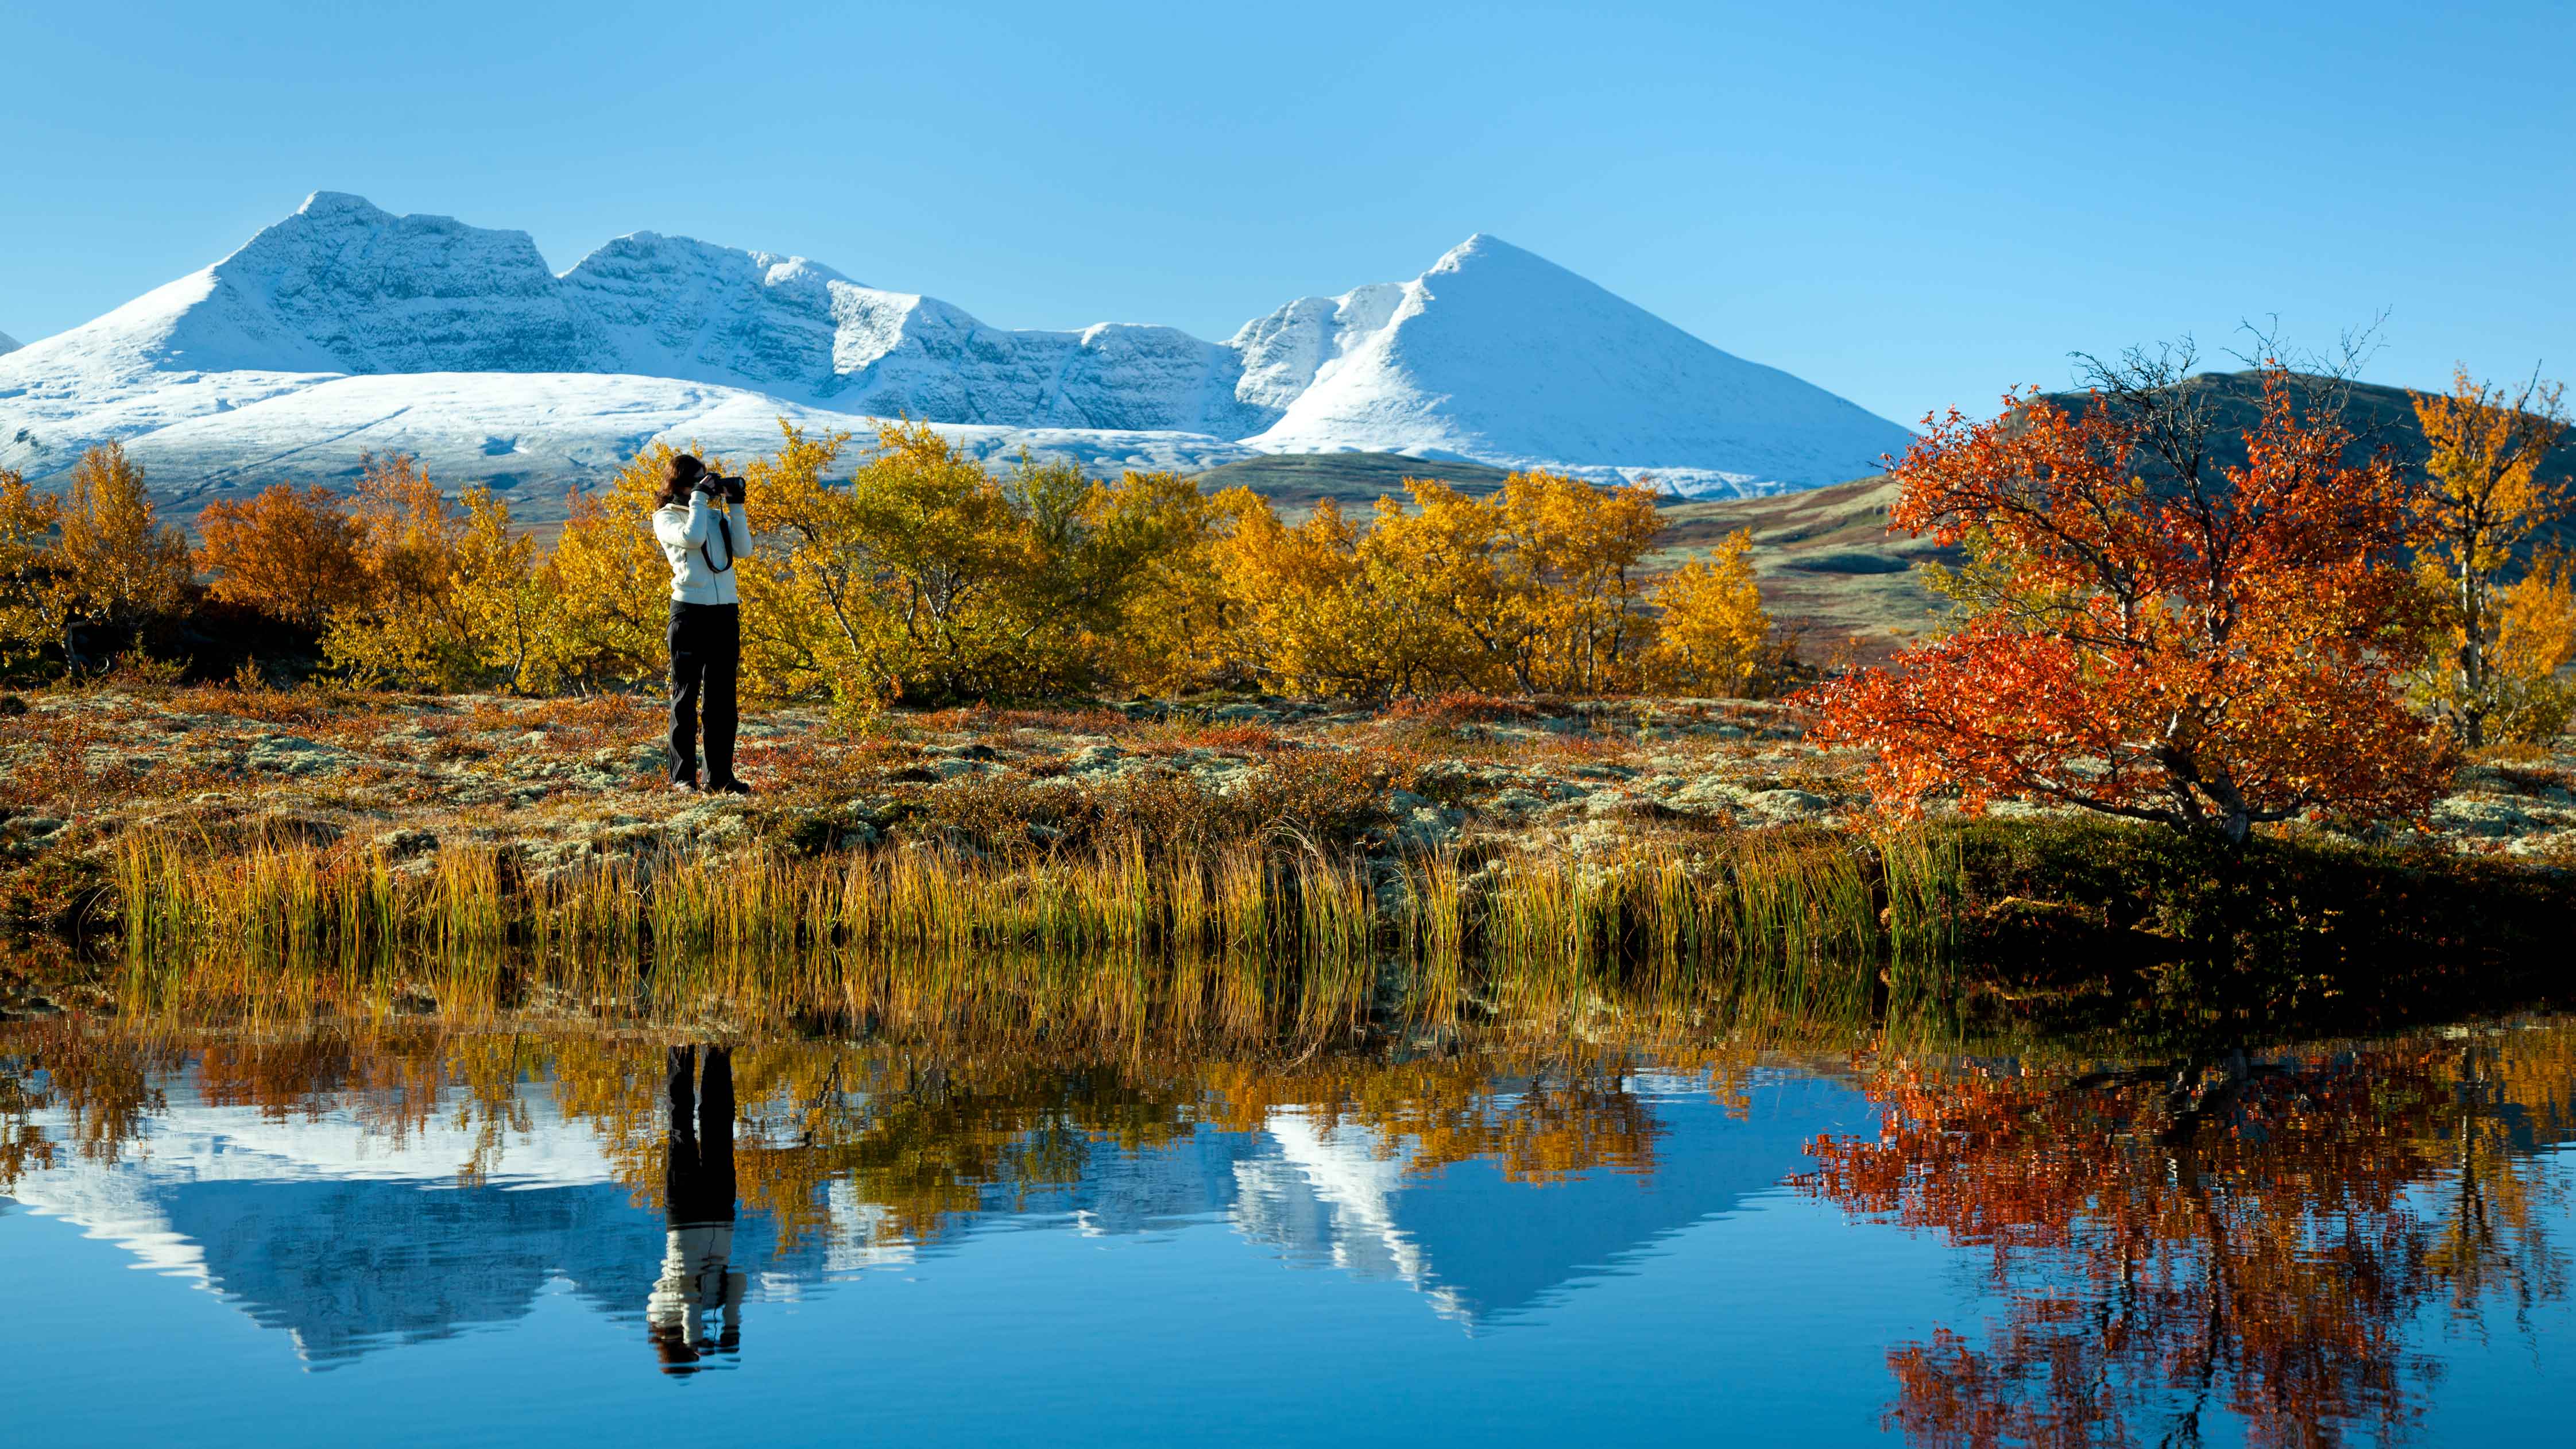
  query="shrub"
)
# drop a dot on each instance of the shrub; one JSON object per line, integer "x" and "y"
{"x": 2147, "y": 635}
{"x": 2494, "y": 650}
{"x": 27, "y": 571}
{"x": 116, "y": 566}
{"x": 1714, "y": 636}
{"x": 454, "y": 599}
{"x": 289, "y": 554}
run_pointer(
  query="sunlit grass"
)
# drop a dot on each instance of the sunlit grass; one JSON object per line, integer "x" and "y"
{"x": 1283, "y": 937}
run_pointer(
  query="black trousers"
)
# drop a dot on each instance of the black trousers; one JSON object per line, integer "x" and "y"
{"x": 706, "y": 650}
{"x": 697, "y": 1177}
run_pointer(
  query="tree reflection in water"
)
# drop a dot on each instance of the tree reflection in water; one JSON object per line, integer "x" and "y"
{"x": 925, "y": 1134}
{"x": 2247, "y": 1233}
{"x": 2259, "y": 1234}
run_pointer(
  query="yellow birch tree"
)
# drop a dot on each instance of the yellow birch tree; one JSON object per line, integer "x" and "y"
{"x": 2483, "y": 496}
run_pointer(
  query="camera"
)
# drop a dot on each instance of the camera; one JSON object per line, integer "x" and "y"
{"x": 716, "y": 486}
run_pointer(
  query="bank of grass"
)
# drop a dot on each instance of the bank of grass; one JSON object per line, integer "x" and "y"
{"x": 1281, "y": 928}
{"x": 2085, "y": 921}
{"x": 2060, "y": 922}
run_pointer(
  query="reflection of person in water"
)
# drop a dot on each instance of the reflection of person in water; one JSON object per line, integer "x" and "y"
{"x": 697, "y": 1188}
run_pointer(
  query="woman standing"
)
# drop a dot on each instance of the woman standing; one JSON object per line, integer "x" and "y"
{"x": 703, "y": 528}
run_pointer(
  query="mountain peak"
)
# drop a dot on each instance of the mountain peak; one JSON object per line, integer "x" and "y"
{"x": 339, "y": 203}
{"x": 688, "y": 250}
{"x": 1484, "y": 249}
{"x": 8, "y": 343}
{"x": 1498, "y": 355}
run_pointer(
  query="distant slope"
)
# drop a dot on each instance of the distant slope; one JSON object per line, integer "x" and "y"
{"x": 537, "y": 436}
{"x": 1829, "y": 567}
{"x": 2376, "y": 414}
{"x": 1353, "y": 480}
{"x": 8, "y": 343}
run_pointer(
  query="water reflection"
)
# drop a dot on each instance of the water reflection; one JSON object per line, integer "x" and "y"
{"x": 2277, "y": 1240}
{"x": 2249, "y": 1234}
{"x": 698, "y": 1277}
{"x": 291, "y": 1173}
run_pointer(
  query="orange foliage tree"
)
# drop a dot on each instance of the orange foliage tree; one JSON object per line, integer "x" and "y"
{"x": 290, "y": 554}
{"x": 2148, "y": 633}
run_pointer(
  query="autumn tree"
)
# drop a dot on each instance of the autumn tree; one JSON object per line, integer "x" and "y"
{"x": 1713, "y": 634}
{"x": 116, "y": 565}
{"x": 1172, "y": 637}
{"x": 1303, "y": 619}
{"x": 808, "y": 591}
{"x": 894, "y": 583}
{"x": 1100, "y": 550}
{"x": 27, "y": 521}
{"x": 504, "y": 601}
{"x": 453, "y": 599}
{"x": 2485, "y": 492}
{"x": 612, "y": 586}
{"x": 927, "y": 576}
{"x": 2147, "y": 633}
{"x": 1573, "y": 550}
{"x": 288, "y": 553}
{"x": 2535, "y": 638}
{"x": 404, "y": 632}
{"x": 1535, "y": 589}
{"x": 1446, "y": 609}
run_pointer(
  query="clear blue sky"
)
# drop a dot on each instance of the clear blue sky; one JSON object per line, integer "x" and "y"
{"x": 1910, "y": 204}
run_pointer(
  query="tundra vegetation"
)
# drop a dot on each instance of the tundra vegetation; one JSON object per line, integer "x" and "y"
{"x": 1128, "y": 714}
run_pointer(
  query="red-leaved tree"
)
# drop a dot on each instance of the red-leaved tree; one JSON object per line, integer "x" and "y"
{"x": 2148, "y": 632}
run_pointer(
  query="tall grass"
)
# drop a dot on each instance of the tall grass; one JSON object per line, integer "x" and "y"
{"x": 1801, "y": 923}
{"x": 1279, "y": 937}
{"x": 287, "y": 900}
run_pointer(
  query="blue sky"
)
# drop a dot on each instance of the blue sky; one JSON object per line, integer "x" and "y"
{"x": 1912, "y": 205}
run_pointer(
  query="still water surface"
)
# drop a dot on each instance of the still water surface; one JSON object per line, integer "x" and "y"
{"x": 421, "y": 1234}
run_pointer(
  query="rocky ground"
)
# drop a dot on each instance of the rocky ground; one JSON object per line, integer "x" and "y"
{"x": 562, "y": 780}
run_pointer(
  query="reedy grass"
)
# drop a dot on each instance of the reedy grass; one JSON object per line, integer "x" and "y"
{"x": 1279, "y": 936}
{"x": 288, "y": 901}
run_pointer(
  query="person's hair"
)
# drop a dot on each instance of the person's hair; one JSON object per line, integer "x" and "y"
{"x": 680, "y": 477}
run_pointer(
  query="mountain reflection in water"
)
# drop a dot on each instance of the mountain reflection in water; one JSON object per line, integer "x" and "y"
{"x": 2259, "y": 1237}
{"x": 289, "y": 1175}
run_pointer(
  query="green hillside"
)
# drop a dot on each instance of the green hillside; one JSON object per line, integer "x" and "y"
{"x": 1300, "y": 480}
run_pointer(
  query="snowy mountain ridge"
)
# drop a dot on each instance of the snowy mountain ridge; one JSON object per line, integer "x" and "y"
{"x": 345, "y": 327}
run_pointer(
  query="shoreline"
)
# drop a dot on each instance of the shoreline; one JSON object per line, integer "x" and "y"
{"x": 557, "y": 800}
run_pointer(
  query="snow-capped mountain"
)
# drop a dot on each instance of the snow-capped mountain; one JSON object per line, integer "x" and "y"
{"x": 8, "y": 343}
{"x": 345, "y": 328}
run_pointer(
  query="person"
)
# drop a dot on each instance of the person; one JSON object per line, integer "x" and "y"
{"x": 698, "y": 1276}
{"x": 700, "y": 523}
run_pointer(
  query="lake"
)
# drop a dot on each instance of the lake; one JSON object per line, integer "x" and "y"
{"x": 334, "y": 1228}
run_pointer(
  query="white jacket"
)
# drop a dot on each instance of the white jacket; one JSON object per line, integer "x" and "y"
{"x": 701, "y": 565}
{"x": 697, "y": 1277}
